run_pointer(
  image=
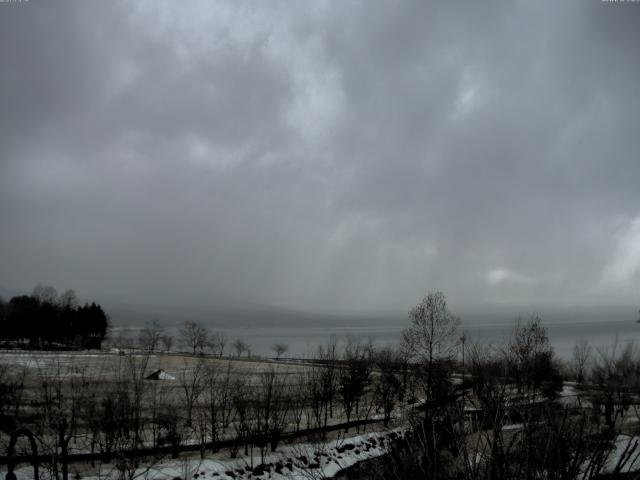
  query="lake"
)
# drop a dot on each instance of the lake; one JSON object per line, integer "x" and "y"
{"x": 602, "y": 327}
{"x": 562, "y": 335}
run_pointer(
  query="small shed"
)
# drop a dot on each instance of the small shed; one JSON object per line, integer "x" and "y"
{"x": 160, "y": 375}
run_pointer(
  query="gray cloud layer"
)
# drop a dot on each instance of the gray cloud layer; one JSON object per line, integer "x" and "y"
{"x": 324, "y": 155}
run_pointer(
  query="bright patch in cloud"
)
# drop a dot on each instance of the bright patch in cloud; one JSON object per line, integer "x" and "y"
{"x": 624, "y": 263}
{"x": 468, "y": 94}
{"x": 498, "y": 276}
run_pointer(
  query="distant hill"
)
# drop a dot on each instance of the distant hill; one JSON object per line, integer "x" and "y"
{"x": 7, "y": 293}
{"x": 125, "y": 314}
{"x": 237, "y": 316}
{"x": 265, "y": 316}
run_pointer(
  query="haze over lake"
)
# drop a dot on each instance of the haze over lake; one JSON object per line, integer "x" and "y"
{"x": 303, "y": 332}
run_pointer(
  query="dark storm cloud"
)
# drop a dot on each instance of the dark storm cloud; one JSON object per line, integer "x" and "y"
{"x": 332, "y": 156}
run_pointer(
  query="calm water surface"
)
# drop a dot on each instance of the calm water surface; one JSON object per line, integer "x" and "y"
{"x": 563, "y": 335}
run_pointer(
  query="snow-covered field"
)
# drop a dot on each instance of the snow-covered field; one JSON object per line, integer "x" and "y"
{"x": 297, "y": 461}
{"x": 106, "y": 366}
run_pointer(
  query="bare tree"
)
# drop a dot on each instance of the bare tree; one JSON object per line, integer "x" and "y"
{"x": 240, "y": 346}
{"x": 279, "y": 349}
{"x": 315, "y": 391}
{"x": 431, "y": 339}
{"x": 124, "y": 417}
{"x": 167, "y": 342}
{"x": 170, "y": 431}
{"x": 328, "y": 356}
{"x": 298, "y": 398}
{"x": 581, "y": 358}
{"x": 194, "y": 336}
{"x": 45, "y": 294}
{"x": 68, "y": 299}
{"x": 354, "y": 379}
{"x": 191, "y": 381}
{"x": 150, "y": 336}
{"x": 243, "y": 417}
{"x": 217, "y": 343}
{"x": 217, "y": 400}
{"x": 616, "y": 376}
{"x": 61, "y": 398}
{"x": 387, "y": 385}
{"x": 270, "y": 411}
{"x": 531, "y": 360}
{"x": 12, "y": 389}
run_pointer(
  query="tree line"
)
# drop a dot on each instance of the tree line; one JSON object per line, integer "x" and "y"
{"x": 48, "y": 320}
{"x": 193, "y": 337}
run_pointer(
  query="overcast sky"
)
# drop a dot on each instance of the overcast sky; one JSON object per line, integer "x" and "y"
{"x": 327, "y": 156}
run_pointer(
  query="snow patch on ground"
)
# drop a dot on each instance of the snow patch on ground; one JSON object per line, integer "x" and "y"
{"x": 625, "y": 453}
{"x": 306, "y": 461}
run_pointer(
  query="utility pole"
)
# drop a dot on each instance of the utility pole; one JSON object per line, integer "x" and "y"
{"x": 463, "y": 338}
